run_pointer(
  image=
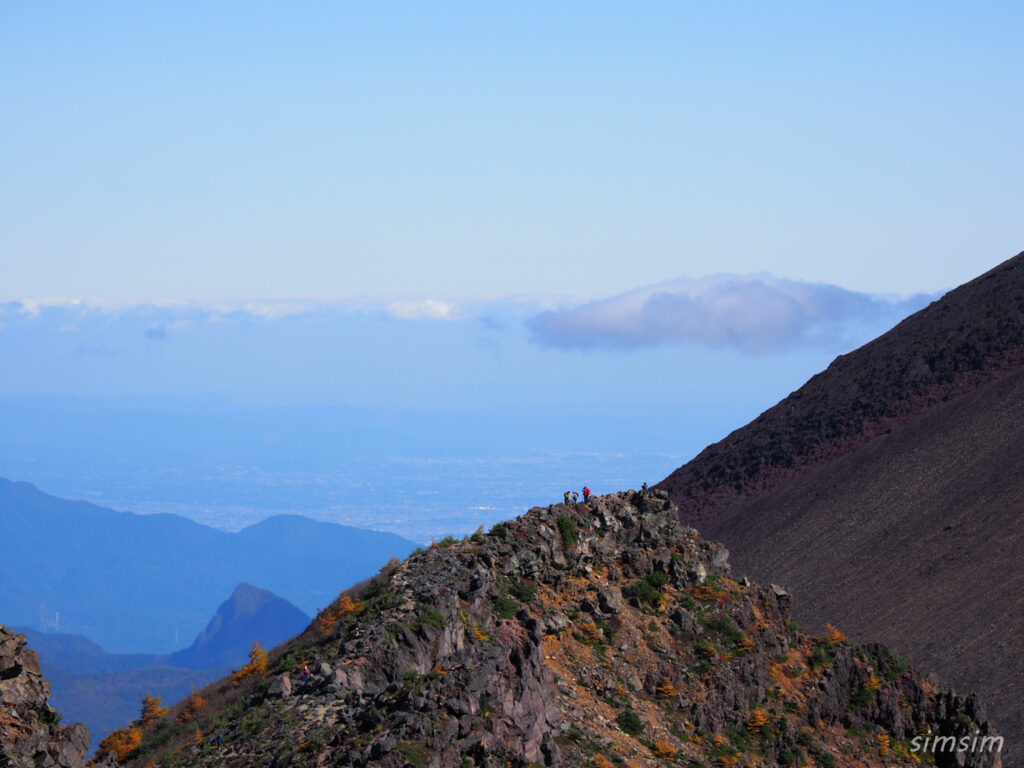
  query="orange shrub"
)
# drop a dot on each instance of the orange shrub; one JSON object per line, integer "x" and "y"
{"x": 345, "y": 605}
{"x": 151, "y": 710}
{"x": 704, "y": 593}
{"x": 833, "y": 635}
{"x": 121, "y": 744}
{"x": 193, "y": 704}
{"x": 667, "y": 689}
{"x": 257, "y": 664}
{"x": 591, "y": 632}
{"x": 883, "y": 743}
{"x": 757, "y": 720}
{"x": 665, "y": 749}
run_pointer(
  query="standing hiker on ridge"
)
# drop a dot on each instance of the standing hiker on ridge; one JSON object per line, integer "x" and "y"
{"x": 586, "y": 494}
{"x": 566, "y": 497}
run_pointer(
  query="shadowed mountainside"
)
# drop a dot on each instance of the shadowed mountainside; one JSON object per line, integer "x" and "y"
{"x": 887, "y": 491}
{"x": 250, "y": 614}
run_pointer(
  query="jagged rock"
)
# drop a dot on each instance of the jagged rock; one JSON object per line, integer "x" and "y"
{"x": 686, "y": 621}
{"x": 610, "y": 601}
{"x": 282, "y": 686}
{"x": 30, "y": 734}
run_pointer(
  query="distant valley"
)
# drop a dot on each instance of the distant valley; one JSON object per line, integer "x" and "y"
{"x": 104, "y": 690}
{"x": 147, "y": 583}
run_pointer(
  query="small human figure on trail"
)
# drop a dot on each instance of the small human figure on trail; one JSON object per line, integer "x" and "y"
{"x": 586, "y": 494}
{"x": 305, "y": 672}
{"x": 566, "y": 497}
{"x": 643, "y": 488}
{"x": 575, "y": 498}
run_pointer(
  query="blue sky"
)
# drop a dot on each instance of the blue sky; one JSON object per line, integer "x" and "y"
{"x": 325, "y": 150}
{"x": 246, "y": 248}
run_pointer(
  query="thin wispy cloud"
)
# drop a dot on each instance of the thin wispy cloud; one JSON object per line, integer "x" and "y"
{"x": 423, "y": 309}
{"x": 757, "y": 314}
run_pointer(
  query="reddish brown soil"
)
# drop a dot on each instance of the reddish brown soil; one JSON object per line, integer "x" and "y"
{"x": 845, "y": 492}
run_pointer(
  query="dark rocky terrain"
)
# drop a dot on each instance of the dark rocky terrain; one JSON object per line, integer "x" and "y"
{"x": 887, "y": 492}
{"x": 30, "y": 729}
{"x": 602, "y": 634}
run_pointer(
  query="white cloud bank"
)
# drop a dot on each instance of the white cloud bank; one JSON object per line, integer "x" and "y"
{"x": 757, "y": 314}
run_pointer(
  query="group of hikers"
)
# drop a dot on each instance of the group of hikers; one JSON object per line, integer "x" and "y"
{"x": 575, "y": 497}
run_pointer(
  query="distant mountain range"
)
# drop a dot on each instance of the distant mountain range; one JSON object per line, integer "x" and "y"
{"x": 135, "y": 583}
{"x": 888, "y": 492}
{"x": 104, "y": 690}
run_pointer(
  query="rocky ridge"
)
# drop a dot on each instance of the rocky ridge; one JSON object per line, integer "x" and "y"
{"x": 30, "y": 730}
{"x": 598, "y": 634}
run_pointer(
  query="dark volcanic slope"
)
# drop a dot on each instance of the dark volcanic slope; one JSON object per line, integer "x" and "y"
{"x": 887, "y": 491}
{"x": 970, "y": 336}
{"x": 916, "y": 539}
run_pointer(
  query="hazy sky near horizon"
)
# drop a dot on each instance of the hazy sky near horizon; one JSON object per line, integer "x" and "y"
{"x": 241, "y": 150}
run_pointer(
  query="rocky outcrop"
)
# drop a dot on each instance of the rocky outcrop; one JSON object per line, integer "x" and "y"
{"x": 30, "y": 730}
{"x": 589, "y": 635}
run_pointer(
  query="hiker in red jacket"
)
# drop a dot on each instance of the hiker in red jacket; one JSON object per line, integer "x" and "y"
{"x": 586, "y": 494}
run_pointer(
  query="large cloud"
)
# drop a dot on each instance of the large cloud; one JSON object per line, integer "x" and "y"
{"x": 752, "y": 313}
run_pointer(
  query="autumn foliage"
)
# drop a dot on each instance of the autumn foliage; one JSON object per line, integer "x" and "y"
{"x": 152, "y": 710}
{"x": 257, "y": 665}
{"x": 667, "y": 689}
{"x": 705, "y": 593}
{"x": 193, "y": 704}
{"x": 345, "y": 605}
{"x": 758, "y": 719}
{"x": 121, "y": 743}
{"x": 665, "y": 750}
{"x": 833, "y": 635}
{"x": 883, "y": 743}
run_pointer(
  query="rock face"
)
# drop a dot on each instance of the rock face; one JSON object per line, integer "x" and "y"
{"x": 583, "y": 635}
{"x": 30, "y": 734}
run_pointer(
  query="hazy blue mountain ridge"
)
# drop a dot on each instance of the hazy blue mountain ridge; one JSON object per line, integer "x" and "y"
{"x": 135, "y": 583}
{"x": 104, "y": 690}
